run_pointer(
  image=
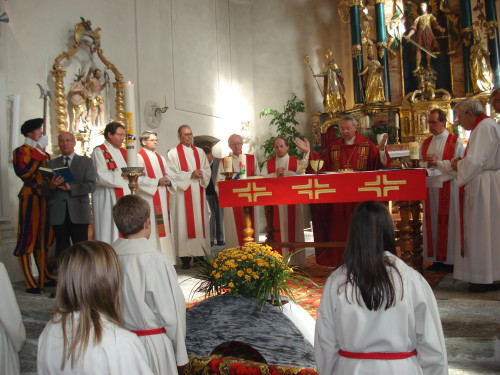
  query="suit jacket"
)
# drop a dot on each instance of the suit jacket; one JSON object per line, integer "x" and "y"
{"x": 77, "y": 199}
{"x": 215, "y": 170}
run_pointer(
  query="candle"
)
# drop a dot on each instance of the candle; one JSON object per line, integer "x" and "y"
{"x": 488, "y": 109}
{"x": 166, "y": 102}
{"x": 396, "y": 120}
{"x": 228, "y": 164}
{"x": 414, "y": 150}
{"x": 130, "y": 124}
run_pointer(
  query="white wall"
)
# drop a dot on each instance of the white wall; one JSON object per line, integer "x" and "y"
{"x": 218, "y": 62}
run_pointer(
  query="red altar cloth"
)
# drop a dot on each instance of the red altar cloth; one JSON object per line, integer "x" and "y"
{"x": 383, "y": 185}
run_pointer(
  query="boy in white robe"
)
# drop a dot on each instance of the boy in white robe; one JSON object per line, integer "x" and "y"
{"x": 153, "y": 303}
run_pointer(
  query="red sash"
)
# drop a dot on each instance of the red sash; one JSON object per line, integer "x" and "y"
{"x": 149, "y": 332}
{"x": 271, "y": 168}
{"x": 383, "y": 356}
{"x": 444, "y": 204}
{"x": 111, "y": 164}
{"x": 188, "y": 195}
{"x": 160, "y": 222}
{"x": 461, "y": 192}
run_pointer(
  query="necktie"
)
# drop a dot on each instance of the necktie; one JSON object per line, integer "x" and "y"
{"x": 66, "y": 161}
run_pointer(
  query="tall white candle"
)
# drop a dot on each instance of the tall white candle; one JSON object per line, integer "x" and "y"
{"x": 414, "y": 151}
{"x": 396, "y": 120}
{"x": 228, "y": 164}
{"x": 130, "y": 125}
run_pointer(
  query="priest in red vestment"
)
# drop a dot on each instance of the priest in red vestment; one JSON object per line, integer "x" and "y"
{"x": 349, "y": 153}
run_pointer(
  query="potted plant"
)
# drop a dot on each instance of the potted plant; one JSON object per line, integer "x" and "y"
{"x": 380, "y": 127}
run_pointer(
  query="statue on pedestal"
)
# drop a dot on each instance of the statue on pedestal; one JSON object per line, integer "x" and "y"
{"x": 480, "y": 69}
{"x": 333, "y": 86}
{"x": 374, "y": 88}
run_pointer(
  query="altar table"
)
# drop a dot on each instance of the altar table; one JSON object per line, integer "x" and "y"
{"x": 407, "y": 186}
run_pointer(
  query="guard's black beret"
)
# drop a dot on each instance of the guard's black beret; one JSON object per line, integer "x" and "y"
{"x": 31, "y": 125}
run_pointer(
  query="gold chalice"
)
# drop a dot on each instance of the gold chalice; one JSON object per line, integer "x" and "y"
{"x": 316, "y": 165}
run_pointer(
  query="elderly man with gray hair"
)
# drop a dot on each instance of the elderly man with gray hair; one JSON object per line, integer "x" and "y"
{"x": 351, "y": 152}
{"x": 479, "y": 178}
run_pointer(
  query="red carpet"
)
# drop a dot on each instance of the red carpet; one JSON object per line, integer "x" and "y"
{"x": 308, "y": 295}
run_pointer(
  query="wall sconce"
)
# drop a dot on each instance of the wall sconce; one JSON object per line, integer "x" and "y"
{"x": 152, "y": 113}
{"x": 4, "y": 17}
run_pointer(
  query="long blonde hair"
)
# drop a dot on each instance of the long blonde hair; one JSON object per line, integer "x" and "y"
{"x": 89, "y": 283}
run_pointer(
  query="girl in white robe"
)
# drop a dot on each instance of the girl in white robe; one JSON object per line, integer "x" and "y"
{"x": 377, "y": 315}
{"x": 84, "y": 336}
{"x": 12, "y": 332}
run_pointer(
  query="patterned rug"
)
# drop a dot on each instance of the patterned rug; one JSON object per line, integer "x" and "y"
{"x": 308, "y": 295}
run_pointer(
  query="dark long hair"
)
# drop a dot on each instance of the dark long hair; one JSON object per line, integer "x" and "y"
{"x": 370, "y": 234}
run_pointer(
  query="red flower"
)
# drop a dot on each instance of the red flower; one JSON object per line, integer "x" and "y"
{"x": 214, "y": 365}
{"x": 241, "y": 369}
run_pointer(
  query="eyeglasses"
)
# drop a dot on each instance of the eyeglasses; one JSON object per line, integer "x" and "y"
{"x": 236, "y": 144}
{"x": 434, "y": 122}
{"x": 187, "y": 135}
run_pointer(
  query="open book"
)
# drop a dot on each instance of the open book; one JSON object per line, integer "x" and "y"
{"x": 62, "y": 171}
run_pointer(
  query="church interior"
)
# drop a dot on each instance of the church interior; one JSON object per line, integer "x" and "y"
{"x": 216, "y": 65}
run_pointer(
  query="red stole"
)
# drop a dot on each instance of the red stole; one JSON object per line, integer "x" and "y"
{"x": 271, "y": 168}
{"x": 461, "y": 192}
{"x": 444, "y": 204}
{"x": 188, "y": 194}
{"x": 111, "y": 164}
{"x": 160, "y": 222}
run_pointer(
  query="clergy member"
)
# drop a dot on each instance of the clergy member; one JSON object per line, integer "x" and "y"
{"x": 109, "y": 158}
{"x": 441, "y": 227}
{"x": 245, "y": 165}
{"x": 288, "y": 218}
{"x": 349, "y": 153}
{"x": 191, "y": 173}
{"x": 34, "y": 232}
{"x": 153, "y": 187}
{"x": 479, "y": 175}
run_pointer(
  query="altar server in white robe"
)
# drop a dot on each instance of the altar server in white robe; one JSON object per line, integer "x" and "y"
{"x": 12, "y": 332}
{"x": 289, "y": 218}
{"x": 441, "y": 228}
{"x": 108, "y": 159}
{"x": 245, "y": 166}
{"x": 84, "y": 335}
{"x": 153, "y": 303}
{"x": 191, "y": 173}
{"x": 479, "y": 175}
{"x": 153, "y": 188}
{"x": 377, "y": 315}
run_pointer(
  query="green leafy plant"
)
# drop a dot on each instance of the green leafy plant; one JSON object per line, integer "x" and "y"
{"x": 252, "y": 270}
{"x": 285, "y": 123}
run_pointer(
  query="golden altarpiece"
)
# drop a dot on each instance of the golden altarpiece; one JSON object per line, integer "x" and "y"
{"x": 409, "y": 57}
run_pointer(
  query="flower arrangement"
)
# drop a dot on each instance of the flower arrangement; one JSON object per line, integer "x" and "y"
{"x": 252, "y": 270}
{"x": 380, "y": 126}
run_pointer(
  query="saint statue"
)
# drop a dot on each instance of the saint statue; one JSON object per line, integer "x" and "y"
{"x": 96, "y": 101}
{"x": 374, "y": 89}
{"x": 333, "y": 87}
{"x": 77, "y": 101}
{"x": 422, "y": 27}
{"x": 480, "y": 69}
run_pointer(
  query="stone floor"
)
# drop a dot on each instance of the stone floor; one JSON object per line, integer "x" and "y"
{"x": 471, "y": 324}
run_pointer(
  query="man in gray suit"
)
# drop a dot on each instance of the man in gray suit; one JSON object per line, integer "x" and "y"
{"x": 69, "y": 203}
{"x": 216, "y": 213}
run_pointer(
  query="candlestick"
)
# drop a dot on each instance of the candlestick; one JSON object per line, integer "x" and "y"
{"x": 130, "y": 125}
{"x": 414, "y": 150}
{"x": 396, "y": 120}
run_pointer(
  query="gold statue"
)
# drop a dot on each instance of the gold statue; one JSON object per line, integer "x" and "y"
{"x": 333, "y": 86}
{"x": 374, "y": 89}
{"x": 480, "y": 69}
{"x": 422, "y": 27}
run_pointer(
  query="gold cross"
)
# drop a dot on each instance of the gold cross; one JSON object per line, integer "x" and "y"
{"x": 382, "y": 188}
{"x": 251, "y": 192}
{"x": 314, "y": 189}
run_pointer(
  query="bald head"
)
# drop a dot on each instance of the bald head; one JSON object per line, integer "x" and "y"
{"x": 235, "y": 143}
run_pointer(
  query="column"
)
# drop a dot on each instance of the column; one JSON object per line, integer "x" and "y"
{"x": 466, "y": 20}
{"x": 357, "y": 57}
{"x": 382, "y": 45}
{"x": 492, "y": 31}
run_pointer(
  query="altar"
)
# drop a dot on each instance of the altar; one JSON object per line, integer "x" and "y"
{"x": 407, "y": 186}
